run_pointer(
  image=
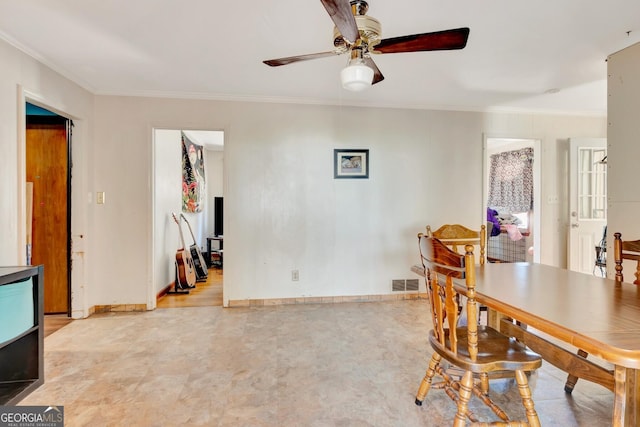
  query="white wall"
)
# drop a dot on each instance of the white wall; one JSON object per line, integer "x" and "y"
{"x": 283, "y": 209}
{"x": 21, "y": 79}
{"x": 623, "y": 150}
{"x": 167, "y": 190}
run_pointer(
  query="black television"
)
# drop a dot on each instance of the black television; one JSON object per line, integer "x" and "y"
{"x": 218, "y": 211}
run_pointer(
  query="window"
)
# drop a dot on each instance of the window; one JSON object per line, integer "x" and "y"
{"x": 592, "y": 183}
{"x": 524, "y": 220}
{"x": 511, "y": 181}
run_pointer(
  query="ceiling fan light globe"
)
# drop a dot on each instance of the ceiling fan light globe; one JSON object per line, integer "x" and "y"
{"x": 356, "y": 77}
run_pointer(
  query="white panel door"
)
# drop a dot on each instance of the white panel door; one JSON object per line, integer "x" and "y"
{"x": 588, "y": 201}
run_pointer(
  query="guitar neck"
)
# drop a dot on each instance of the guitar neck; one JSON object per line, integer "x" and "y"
{"x": 190, "y": 230}
{"x": 180, "y": 230}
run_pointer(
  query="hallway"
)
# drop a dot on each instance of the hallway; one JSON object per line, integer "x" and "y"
{"x": 205, "y": 294}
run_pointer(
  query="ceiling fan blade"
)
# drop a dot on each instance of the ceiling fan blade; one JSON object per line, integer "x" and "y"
{"x": 377, "y": 75}
{"x": 291, "y": 59}
{"x": 341, "y": 15}
{"x": 439, "y": 40}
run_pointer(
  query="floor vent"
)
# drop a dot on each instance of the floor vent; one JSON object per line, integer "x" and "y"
{"x": 412, "y": 284}
{"x": 397, "y": 285}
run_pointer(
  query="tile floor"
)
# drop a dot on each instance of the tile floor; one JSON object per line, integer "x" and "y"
{"x": 349, "y": 364}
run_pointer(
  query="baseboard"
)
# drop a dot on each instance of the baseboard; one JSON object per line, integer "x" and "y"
{"x": 327, "y": 300}
{"x": 164, "y": 291}
{"x": 119, "y": 308}
{"x": 116, "y": 308}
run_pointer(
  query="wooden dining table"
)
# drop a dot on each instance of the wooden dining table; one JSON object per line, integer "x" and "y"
{"x": 556, "y": 312}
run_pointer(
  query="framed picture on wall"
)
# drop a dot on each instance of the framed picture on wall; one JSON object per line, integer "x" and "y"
{"x": 350, "y": 163}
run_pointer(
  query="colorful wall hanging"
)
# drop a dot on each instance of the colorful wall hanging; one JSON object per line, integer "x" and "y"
{"x": 193, "y": 180}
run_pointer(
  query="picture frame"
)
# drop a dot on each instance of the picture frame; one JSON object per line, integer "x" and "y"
{"x": 350, "y": 163}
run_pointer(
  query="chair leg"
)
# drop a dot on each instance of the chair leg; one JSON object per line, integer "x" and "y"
{"x": 484, "y": 383}
{"x": 425, "y": 385}
{"x": 527, "y": 401}
{"x": 464, "y": 396}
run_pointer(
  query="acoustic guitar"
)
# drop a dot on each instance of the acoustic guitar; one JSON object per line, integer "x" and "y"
{"x": 198, "y": 260}
{"x": 186, "y": 270}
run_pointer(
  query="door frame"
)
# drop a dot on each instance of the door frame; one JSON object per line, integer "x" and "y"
{"x": 24, "y": 96}
{"x": 536, "y": 143}
{"x": 575, "y": 243}
{"x": 152, "y": 292}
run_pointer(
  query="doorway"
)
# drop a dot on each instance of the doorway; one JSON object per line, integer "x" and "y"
{"x": 587, "y": 205}
{"x": 519, "y": 236}
{"x": 168, "y": 198}
{"x": 48, "y": 173}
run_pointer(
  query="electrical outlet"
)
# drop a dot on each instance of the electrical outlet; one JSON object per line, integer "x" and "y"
{"x": 100, "y": 197}
{"x": 295, "y": 275}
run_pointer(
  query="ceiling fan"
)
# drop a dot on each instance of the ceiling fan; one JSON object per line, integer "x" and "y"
{"x": 359, "y": 34}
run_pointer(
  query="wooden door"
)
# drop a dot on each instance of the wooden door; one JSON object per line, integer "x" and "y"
{"x": 47, "y": 154}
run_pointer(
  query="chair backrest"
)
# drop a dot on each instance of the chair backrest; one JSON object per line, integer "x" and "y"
{"x": 626, "y": 249}
{"x": 441, "y": 266}
{"x": 455, "y": 234}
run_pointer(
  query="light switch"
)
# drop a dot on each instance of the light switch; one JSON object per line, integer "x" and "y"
{"x": 100, "y": 197}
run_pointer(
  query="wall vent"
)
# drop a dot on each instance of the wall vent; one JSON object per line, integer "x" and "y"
{"x": 412, "y": 285}
{"x": 397, "y": 285}
{"x": 400, "y": 285}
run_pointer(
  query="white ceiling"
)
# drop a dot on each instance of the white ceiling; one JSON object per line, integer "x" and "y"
{"x": 521, "y": 55}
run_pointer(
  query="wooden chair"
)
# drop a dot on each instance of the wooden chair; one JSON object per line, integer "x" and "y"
{"x": 473, "y": 348}
{"x": 626, "y": 249}
{"x": 455, "y": 235}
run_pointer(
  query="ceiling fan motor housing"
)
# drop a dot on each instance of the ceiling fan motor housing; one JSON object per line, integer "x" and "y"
{"x": 369, "y": 28}
{"x": 359, "y": 7}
